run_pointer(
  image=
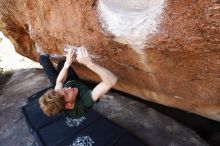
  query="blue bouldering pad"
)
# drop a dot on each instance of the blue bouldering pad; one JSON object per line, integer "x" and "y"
{"x": 60, "y": 130}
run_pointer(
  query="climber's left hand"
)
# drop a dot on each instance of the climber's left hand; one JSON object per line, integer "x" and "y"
{"x": 69, "y": 57}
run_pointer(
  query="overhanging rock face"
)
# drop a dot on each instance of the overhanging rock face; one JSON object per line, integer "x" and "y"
{"x": 165, "y": 51}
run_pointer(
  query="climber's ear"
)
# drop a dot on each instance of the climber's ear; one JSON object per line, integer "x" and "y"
{"x": 68, "y": 105}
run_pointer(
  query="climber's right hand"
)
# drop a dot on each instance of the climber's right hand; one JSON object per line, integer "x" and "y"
{"x": 83, "y": 56}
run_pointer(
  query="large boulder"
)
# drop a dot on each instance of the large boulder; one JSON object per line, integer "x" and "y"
{"x": 165, "y": 51}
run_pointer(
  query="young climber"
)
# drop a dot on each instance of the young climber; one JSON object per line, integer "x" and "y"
{"x": 70, "y": 94}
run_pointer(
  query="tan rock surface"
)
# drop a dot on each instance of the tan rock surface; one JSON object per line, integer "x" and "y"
{"x": 179, "y": 66}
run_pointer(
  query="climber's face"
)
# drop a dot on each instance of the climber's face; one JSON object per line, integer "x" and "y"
{"x": 68, "y": 93}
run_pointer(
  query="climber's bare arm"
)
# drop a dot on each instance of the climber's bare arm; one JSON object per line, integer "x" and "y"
{"x": 108, "y": 78}
{"x": 64, "y": 71}
{"x": 108, "y": 81}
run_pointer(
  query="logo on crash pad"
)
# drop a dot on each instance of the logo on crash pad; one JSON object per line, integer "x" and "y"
{"x": 83, "y": 141}
{"x": 74, "y": 122}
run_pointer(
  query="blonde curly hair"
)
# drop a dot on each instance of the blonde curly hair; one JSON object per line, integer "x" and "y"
{"x": 52, "y": 102}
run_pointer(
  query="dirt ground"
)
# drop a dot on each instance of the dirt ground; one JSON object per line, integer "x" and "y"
{"x": 146, "y": 123}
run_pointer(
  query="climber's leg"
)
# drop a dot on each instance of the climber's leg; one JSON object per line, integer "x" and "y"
{"x": 71, "y": 73}
{"x": 48, "y": 68}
